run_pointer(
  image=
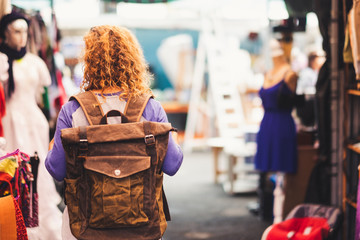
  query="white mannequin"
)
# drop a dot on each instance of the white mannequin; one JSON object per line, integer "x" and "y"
{"x": 27, "y": 129}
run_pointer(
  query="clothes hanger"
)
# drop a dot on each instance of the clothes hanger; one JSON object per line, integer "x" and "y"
{"x": 25, "y": 157}
{"x": 10, "y": 154}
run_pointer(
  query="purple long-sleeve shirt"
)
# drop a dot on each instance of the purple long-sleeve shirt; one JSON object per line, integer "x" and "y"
{"x": 55, "y": 160}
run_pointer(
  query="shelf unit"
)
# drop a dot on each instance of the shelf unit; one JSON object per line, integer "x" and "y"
{"x": 353, "y": 92}
{"x": 353, "y": 148}
{"x": 351, "y": 161}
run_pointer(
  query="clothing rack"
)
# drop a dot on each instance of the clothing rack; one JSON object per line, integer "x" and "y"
{"x": 22, "y": 176}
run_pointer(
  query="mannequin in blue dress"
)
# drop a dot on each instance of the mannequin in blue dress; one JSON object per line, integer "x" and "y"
{"x": 276, "y": 139}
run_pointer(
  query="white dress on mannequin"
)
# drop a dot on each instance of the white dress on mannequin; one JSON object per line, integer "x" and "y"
{"x": 26, "y": 128}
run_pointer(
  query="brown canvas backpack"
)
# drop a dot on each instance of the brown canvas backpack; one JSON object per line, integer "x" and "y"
{"x": 113, "y": 173}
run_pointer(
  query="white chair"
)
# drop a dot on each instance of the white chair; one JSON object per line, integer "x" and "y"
{"x": 242, "y": 176}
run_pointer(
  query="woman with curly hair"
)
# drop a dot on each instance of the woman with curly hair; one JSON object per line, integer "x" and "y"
{"x": 114, "y": 60}
{"x": 115, "y": 71}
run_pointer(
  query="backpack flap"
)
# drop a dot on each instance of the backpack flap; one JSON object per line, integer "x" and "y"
{"x": 113, "y": 132}
{"x": 117, "y": 166}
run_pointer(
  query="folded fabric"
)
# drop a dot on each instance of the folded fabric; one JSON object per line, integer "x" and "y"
{"x": 12, "y": 225}
{"x": 9, "y": 165}
{"x": 7, "y": 218}
{"x": 307, "y": 228}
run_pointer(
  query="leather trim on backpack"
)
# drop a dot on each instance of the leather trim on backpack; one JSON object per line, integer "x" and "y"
{"x": 135, "y": 107}
{"x": 90, "y": 105}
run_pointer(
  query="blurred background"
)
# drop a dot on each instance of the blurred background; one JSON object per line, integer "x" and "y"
{"x": 170, "y": 34}
{"x": 208, "y": 59}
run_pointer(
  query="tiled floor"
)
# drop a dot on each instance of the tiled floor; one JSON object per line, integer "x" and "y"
{"x": 201, "y": 209}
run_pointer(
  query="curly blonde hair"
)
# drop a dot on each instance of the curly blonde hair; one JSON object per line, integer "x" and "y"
{"x": 113, "y": 58}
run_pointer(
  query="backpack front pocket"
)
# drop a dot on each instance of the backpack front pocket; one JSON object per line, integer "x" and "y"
{"x": 117, "y": 190}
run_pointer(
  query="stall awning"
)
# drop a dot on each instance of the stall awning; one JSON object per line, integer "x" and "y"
{"x": 139, "y": 1}
{"x": 298, "y": 8}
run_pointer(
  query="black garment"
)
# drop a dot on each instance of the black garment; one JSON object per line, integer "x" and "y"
{"x": 323, "y": 85}
{"x": 319, "y": 187}
{"x": 34, "y": 162}
{"x": 299, "y": 8}
{"x": 323, "y": 105}
{"x": 306, "y": 113}
{"x": 12, "y": 55}
{"x": 266, "y": 196}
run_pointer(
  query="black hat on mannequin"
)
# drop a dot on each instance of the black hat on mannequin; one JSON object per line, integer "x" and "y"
{"x": 9, "y": 18}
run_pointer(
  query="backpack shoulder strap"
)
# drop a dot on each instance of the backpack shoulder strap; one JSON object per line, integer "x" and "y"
{"x": 90, "y": 105}
{"x": 135, "y": 107}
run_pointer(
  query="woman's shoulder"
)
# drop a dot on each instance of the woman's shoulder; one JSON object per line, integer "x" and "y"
{"x": 291, "y": 79}
{"x": 70, "y": 107}
{"x": 291, "y": 74}
{"x": 153, "y": 105}
{"x": 154, "y": 111}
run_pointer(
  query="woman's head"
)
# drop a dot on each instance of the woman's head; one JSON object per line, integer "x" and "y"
{"x": 113, "y": 58}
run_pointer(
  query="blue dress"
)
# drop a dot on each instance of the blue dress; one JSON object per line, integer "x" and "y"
{"x": 276, "y": 139}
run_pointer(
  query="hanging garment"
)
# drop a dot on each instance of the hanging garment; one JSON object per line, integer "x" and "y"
{"x": 355, "y": 35}
{"x": 354, "y": 42}
{"x": 2, "y": 109}
{"x": 347, "y": 51}
{"x": 15, "y": 168}
{"x": 12, "y": 225}
{"x": 28, "y": 200}
{"x": 4, "y": 67}
{"x": 357, "y": 225}
{"x": 7, "y": 218}
{"x": 322, "y": 99}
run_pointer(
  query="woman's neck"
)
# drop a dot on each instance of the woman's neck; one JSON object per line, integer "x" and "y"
{"x": 276, "y": 74}
{"x": 279, "y": 62}
{"x": 107, "y": 90}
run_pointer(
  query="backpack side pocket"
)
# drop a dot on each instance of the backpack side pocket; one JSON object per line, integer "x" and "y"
{"x": 72, "y": 200}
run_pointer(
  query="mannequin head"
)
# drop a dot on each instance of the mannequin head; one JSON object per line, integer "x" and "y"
{"x": 14, "y": 30}
{"x": 16, "y": 34}
{"x": 277, "y": 53}
{"x": 275, "y": 48}
{"x": 286, "y": 43}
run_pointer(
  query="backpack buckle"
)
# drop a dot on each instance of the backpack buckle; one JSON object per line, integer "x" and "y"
{"x": 149, "y": 139}
{"x": 83, "y": 147}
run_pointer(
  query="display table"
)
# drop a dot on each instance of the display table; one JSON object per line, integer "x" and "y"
{"x": 242, "y": 176}
{"x": 177, "y": 114}
{"x": 175, "y": 107}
